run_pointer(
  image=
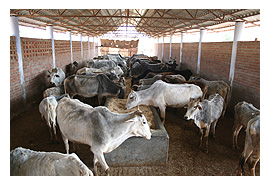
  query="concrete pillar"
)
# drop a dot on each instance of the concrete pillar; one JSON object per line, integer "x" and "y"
{"x": 162, "y": 50}
{"x": 89, "y": 56}
{"x": 71, "y": 53}
{"x": 157, "y": 45}
{"x": 50, "y": 35}
{"x": 202, "y": 31}
{"x": 80, "y": 35}
{"x": 14, "y": 28}
{"x": 171, "y": 45}
{"x": 94, "y": 46}
{"x": 181, "y": 48}
{"x": 237, "y": 36}
{"x": 99, "y": 44}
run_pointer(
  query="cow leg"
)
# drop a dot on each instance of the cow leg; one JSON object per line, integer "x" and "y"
{"x": 99, "y": 99}
{"x": 213, "y": 129}
{"x": 235, "y": 136}
{"x": 95, "y": 165}
{"x": 201, "y": 138}
{"x": 99, "y": 157}
{"x": 241, "y": 165}
{"x": 206, "y": 138}
{"x": 224, "y": 110}
{"x": 65, "y": 140}
{"x": 252, "y": 164}
{"x": 162, "y": 113}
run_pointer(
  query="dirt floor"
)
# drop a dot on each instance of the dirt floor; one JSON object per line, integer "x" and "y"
{"x": 184, "y": 157}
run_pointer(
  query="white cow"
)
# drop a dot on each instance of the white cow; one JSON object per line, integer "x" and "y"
{"x": 47, "y": 109}
{"x": 54, "y": 91}
{"x": 56, "y": 76}
{"x": 25, "y": 162}
{"x": 98, "y": 127}
{"x": 88, "y": 71}
{"x": 205, "y": 115}
{"x": 162, "y": 94}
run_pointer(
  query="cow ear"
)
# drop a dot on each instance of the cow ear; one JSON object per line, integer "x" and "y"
{"x": 49, "y": 72}
{"x": 185, "y": 106}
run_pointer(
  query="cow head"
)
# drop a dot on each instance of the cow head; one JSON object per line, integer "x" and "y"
{"x": 132, "y": 100}
{"x": 193, "y": 108}
{"x": 140, "y": 127}
{"x": 56, "y": 76}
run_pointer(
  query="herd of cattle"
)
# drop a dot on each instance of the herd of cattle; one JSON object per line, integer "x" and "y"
{"x": 153, "y": 83}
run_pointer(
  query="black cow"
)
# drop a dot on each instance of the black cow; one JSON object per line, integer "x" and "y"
{"x": 90, "y": 86}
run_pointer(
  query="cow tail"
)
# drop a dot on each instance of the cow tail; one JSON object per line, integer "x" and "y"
{"x": 227, "y": 95}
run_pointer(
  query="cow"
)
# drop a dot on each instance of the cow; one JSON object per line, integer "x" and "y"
{"x": 150, "y": 81}
{"x": 243, "y": 112}
{"x": 101, "y": 63}
{"x": 98, "y": 127}
{"x": 54, "y": 91}
{"x": 162, "y": 94}
{"x": 90, "y": 86}
{"x": 171, "y": 64}
{"x": 178, "y": 79}
{"x": 72, "y": 68}
{"x": 251, "y": 153}
{"x": 114, "y": 70}
{"x": 205, "y": 115}
{"x": 47, "y": 109}
{"x": 26, "y": 162}
{"x": 173, "y": 78}
{"x": 220, "y": 87}
{"x": 56, "y": 76}
{"x": 139, "y": 68}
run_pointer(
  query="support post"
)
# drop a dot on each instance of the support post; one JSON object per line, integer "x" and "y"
{"x": 14, "y": 23}
{"x": 239, "y": 25}
{"x": 88, "y": 48}
{"x": 80, "y": 35}
{"x": 171, "y": 45}
{"x": 71, "y": 53}
{"x": 157, "y": 45}
{"x": 99, "y": 44}
{"x": 50, "y": 34}
{"x": 94, "y": 46}
{"x": 202, "y": 31}
{"x": 163, "y": 50}
{"x": 181, "y": 48}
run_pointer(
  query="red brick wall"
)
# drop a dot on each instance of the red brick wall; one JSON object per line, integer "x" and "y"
{"x": 190, "y": 56}
{"x": 246, "y": 85}
{"x": 37, "y": 60}
{"x": 216, "y": 60}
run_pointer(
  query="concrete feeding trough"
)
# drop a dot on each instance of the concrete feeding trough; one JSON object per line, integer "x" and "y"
{"x": 137, "y": 151}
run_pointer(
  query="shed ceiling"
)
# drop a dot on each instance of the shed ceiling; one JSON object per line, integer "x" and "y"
{"x": 152, "y": 22}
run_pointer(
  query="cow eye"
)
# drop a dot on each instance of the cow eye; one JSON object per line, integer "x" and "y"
{"x": 48, "y": 76}
{"x": 195, "y": 107}
{"x": 57, "y": 76}
{"x": 144, "y": 122}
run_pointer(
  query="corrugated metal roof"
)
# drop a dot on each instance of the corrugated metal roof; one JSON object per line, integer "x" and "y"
{"x": 153, "y": 22}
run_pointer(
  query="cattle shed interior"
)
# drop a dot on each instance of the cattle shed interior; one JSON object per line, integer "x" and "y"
{"x": 236, "y": 62}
